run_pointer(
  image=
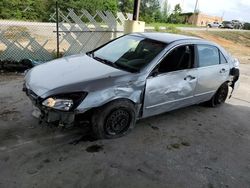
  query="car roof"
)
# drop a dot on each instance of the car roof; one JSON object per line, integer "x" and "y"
{"x": 165, "y": 37}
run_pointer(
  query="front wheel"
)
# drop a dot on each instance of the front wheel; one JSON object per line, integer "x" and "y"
{"x": 219, "y": 97}
{"x": 114, "y": 119}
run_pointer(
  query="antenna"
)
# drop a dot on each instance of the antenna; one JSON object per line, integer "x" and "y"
{"x": 223, "y": 13}
{"x": 182, "y": 4}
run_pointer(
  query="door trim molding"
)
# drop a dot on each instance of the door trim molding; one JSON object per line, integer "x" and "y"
{"x": 163, "y": 103}
{"x": 208, "y": 92}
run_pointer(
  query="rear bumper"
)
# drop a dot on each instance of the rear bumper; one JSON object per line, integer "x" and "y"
{"x": 235, "y": 79}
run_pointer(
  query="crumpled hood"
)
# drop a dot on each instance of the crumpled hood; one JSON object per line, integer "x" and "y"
{"x": 66, "y": 71}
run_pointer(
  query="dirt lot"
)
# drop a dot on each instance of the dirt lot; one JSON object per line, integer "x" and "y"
{"x": 190, "y": 147}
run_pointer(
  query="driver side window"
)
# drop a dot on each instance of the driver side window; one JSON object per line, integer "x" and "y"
{"x": 179, "y": 58}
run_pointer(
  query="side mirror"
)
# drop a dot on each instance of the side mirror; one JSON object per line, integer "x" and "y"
{"x": 154, "y": 73}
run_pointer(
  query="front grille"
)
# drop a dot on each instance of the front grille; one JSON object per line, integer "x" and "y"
{"x": 32, "y": 95}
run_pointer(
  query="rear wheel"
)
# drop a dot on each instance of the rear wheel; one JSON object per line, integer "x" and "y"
{"x": 114, "y": 120}
{"x": 219, "y": 97}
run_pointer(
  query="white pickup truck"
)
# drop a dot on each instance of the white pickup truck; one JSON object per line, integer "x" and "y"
{"x": 214, "y": 24}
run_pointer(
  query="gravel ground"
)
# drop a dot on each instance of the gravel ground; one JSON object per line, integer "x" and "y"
{"x": 191, "y": 147}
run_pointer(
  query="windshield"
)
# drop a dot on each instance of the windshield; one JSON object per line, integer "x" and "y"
{"x": 130, "y": 53}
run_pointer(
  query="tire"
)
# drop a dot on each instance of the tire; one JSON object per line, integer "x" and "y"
{"x": 219, "y": 97}
{"x": 114, "y": 119}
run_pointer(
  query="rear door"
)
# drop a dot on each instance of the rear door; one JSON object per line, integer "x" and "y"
{"x": 213, "y": 70}
{"x": 171, "y": 84}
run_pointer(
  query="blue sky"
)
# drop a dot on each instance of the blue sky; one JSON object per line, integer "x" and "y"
{"x": 229, "y": 9}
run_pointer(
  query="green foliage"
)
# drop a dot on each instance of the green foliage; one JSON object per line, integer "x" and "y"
{"x": 157, "y": 28}
{"x": 152, "y": 12}
{"x": 40, "y": 10}
{"x": 126, "y": 6}
{"x": 169, "y": 27}
{"x": 165, "y": 11}
{"x": 25, "y": 10}
{"x": 149, "y": 11}
{"x": 246, "y": 26}
{"x": 176, "y": 17}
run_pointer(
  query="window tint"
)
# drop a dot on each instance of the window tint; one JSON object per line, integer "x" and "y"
{"x": 178, "y": 59}
{"x": 222, "y": 59}
{"x": 208, "y": 55}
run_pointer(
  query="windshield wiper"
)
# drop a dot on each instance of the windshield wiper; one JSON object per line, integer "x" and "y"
{"x": 116, "y": 65}
{"x": 105, "y": 61}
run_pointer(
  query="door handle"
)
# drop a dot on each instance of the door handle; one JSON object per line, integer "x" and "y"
{"x": 189, "y": 77}
{"x": 223, "y": 70}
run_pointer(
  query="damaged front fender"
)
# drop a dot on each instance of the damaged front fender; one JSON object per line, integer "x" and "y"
{"x": 132, "y": 91}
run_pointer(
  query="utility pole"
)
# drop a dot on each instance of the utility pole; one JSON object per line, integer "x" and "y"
{"x": 222, "y": 15}
{"x": 195, "y": 8}
{"x": 134, "y": 25}
{"x": 136, "y": 10}
{"x": 57, "y": 32}
{"x": 195, "y": 12}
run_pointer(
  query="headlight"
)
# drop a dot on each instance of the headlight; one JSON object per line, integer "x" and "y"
{"x": 65, "y": 102}
{"x": 59, "y": 104}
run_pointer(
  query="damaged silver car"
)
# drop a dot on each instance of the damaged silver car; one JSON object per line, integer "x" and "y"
{"x": 132, "y": 77}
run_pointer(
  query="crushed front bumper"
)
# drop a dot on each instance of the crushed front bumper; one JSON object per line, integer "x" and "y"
{"x": 50, "y": 116}
{"x": 58, "y": 118}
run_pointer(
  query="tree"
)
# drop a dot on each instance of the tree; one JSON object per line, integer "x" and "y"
{"x": 126, "y": 6}
{"x": 158, "y": 16}
{"x": 176, "y": 17}
{"x": 89, "y": 5}
{"x": 177, "y": 9}
{"x": 148, "y": 10}
{"x": 25, "y": 10}
{"x": 40, "y": 10}
{"x": 165, "y": 11}
{"x": 246, "y": 26}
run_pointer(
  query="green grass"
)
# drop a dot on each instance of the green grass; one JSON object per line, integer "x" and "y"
{"x": 170, "y": 28}
{"x": 157, "y": 24}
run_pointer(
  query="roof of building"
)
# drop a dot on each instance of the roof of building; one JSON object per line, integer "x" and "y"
{"x": 165, "y": 37}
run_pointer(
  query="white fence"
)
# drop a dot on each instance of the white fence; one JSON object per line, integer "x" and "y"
{"x": 78, "y": 34}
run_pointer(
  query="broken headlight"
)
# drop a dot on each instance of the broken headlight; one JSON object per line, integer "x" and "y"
{"x": 64, "y": 102}
{"x": 58, "y": 104}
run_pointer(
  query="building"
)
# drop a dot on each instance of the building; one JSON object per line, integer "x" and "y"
{"x": 200, "y": 19}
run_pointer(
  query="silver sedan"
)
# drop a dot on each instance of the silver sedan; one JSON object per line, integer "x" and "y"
{"x": 132, "y": 77}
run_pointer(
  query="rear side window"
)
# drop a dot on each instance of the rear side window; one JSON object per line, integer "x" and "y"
{"x": 208, "y": 55}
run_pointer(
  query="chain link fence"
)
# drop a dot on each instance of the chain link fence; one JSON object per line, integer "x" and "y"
{"x": 78, "y": 33}
{"x": 21, "y": 40}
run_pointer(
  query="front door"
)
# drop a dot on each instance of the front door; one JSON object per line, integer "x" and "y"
{"x": 172, "y": 83}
